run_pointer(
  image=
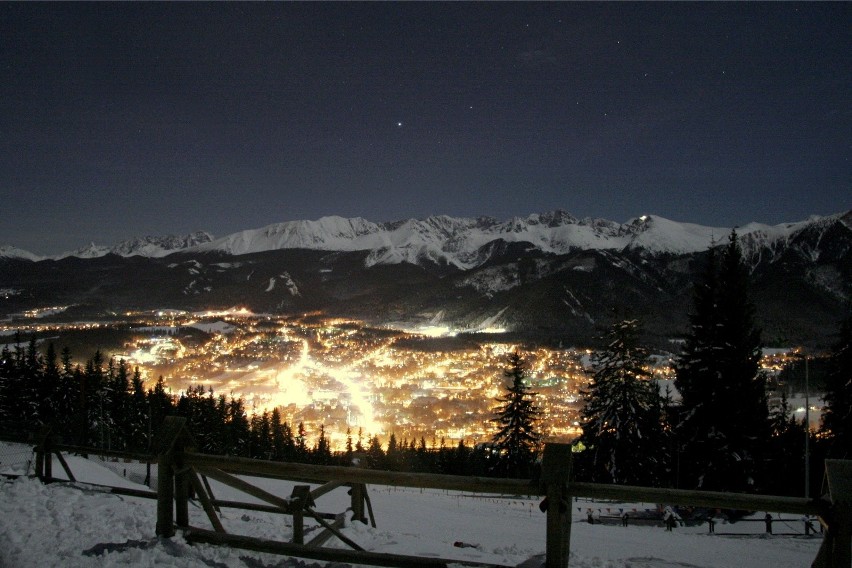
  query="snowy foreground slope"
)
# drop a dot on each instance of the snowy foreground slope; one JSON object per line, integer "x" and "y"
{"x": 71, "y": 526}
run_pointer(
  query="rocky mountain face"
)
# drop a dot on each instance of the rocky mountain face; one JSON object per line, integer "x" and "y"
{"x": 152, "y": 247}
{"x": 551, "y": 277}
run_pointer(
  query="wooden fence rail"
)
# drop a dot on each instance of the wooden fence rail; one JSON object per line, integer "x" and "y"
{"x": 180, "y": 469}
{"x": 555, "y": 486}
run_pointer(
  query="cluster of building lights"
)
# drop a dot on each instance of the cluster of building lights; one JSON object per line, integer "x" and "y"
{"x": 348, "y": 377}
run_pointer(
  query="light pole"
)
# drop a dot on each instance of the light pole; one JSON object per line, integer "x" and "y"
{"x": 807, "y": 428}
{"x": 807, "y": 433}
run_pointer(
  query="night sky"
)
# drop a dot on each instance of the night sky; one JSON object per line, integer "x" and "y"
{"x": 131, "y": 119}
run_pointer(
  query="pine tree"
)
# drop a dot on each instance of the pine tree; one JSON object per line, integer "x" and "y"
{"x": 8, "y": 387}
{"x": 322, "y": 449}
{"x": 724, "y": 415}
{"x": 212, "y": 423}
{"x": 623, "y": 413}
{"x": 238, "y": 428}
{"x": 137, "y": 413}
{"x": 393, "y": 459}
{"x": 50, "y": 387}
{"x": 261, "y": 437}
{"x": 350, "y": 450}
{"x": 160, "y": 405}
{"x": 837, "y": 417}
{"x": 375, "y": 455}
{"x": 119, "y": 406}
{"x": 785, "y": 451}
{"x": 94, "y": 390}
{"x": 67, "y": 366}
{"x": 301, "y": 453}
{"x": 283, "y": 445}
{"x": 517, "y": 439}
{"x": 33, "y": 388}
{"x": 66, "y": 398}
{"x": 359, "y": 444}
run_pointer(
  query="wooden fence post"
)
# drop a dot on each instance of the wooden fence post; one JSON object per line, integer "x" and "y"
{"x": 357, "y": 492}
{"x": 169, "y": 450}
{"x": 555, "y": 474}
{"x": 181, "y": 473}
{"x": 301, "y": 498}
{"x": 836, "y": 549}
{"x": 44, "y": 459}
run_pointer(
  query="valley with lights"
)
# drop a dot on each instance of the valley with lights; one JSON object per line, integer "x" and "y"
{"x": 343, "y": 375}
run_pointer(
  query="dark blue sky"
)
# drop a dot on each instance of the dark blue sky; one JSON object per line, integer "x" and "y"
{"x": 131, "y": 119}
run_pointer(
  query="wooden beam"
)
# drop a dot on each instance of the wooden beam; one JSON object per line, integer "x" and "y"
{"x": 194, "y": 535}
{"x": 147, "y": 458}
{"x": 325, "y": 488}
{"x": 286, "y": 470}
{"x": 245, "y": 487}
{"x": 326, "y": 534}
{"x": 262, "y": 508}
{"x": 509, "y": 487}
{"x": 369, "y": 507}
{"x": 201, "y": 492}
{"x": 329, "y": 527}
{"x": 210, "y": 492}
{"x": 64, "y": 465}
{"x": 132, "y": 492}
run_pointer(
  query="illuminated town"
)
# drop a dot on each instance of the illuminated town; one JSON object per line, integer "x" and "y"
{"x": 348, "y": 377}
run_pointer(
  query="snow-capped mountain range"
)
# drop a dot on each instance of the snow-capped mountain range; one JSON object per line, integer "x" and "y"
{"x": 547, "y": 274}
{"x": 9, "y": 251}
{"x": 151, "y": 247}
{"x": 459, "y": 242}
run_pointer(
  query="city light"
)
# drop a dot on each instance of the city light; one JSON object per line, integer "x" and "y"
{"x": 345, "y": 375}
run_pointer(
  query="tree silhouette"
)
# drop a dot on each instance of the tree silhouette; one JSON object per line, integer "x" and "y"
{"x": 517, "y": 439}
{"x": 622, "y": 416}
{"x": 837, "y": 417}
{"x": 724, "y": 416}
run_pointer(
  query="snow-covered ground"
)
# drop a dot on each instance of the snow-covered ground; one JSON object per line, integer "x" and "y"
{"x": 74, "y": 525}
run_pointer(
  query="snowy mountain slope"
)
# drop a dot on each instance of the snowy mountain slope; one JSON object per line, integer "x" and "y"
{"x": 548, "y": 275}
{"x": 10, "y": 252}
{"x": 464, "y": 242}
{"x": 151, "y": 247}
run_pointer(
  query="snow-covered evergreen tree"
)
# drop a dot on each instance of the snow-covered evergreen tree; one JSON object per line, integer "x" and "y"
{"x": 837, "y": 418}
{"x": 517, "y": 439}
{"x": 724, "y": 416}
{"x": 623, "y": 412}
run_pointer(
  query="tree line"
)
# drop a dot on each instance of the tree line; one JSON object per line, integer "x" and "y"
{"x": 718, "y": 434}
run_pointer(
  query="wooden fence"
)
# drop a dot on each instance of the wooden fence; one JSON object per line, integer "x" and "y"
{"x": 182, "y": 471}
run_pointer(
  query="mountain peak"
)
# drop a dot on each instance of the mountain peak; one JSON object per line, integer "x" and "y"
{"x": 463, "y": 242}
{"x": 8, "y": 251}
{"x": 149, "y": 246}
